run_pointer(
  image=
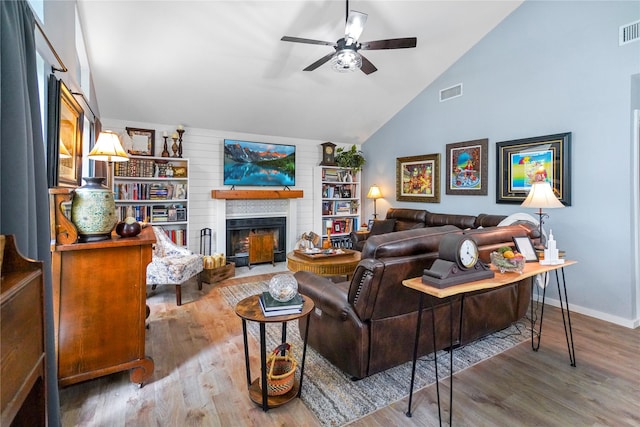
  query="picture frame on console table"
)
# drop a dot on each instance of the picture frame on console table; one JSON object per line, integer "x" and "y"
{"x": 418, "y": 178}
{"x": 467, "y": 166}
{"x": 524, "y": 245}
{"x": 143, "y": 141}
{"x": 521, "y": 162}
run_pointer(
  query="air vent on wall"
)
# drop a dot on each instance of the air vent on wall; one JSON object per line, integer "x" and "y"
{"x": 451, "y": 92}
{"x": 629, "y": 33}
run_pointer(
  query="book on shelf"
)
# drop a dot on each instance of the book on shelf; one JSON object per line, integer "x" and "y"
{"x": 271, "y": 305}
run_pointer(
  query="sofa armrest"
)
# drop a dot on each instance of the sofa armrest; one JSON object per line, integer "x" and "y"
{"x": 358, "y": 238}
{"x": 329, "y": 297}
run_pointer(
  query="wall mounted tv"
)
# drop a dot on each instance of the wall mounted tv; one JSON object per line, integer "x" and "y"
{"x": 259, "y": 163}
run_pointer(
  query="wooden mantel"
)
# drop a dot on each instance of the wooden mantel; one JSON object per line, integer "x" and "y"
{"x": 256, "y": 194}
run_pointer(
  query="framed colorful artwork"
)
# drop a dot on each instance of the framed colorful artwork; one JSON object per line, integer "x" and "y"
{"x": 418, "y": 178}
{"x": 524, "y": 161}
{"x": 467, "y": 168}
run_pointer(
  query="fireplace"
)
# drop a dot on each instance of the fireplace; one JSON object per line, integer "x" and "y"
{"x": 237, "y": 237}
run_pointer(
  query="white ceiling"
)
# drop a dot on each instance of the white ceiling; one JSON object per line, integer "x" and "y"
{"x": 221, "y": 65}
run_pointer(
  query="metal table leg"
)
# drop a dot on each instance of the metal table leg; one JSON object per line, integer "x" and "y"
{"x": 415, "y": 353}
{"x": 566, "y": 320}
{"x": 263, "y": 367}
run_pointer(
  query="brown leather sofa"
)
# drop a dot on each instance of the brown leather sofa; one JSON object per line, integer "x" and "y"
{"x": 368, "y": 325}
{"x": 400, "y": 219}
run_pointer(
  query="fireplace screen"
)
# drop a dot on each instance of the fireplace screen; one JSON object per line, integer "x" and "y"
{"x": 238, "y": 231}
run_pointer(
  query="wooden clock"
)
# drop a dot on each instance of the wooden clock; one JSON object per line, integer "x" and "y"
{"x": 458, "y": 262}
{"x": 328, "y": 154}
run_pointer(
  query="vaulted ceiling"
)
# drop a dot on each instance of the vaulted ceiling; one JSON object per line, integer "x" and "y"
{"x": 221, "y": 65}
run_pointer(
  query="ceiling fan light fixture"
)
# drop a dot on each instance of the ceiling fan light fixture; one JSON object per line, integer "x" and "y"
{"x": 346, "y": 60}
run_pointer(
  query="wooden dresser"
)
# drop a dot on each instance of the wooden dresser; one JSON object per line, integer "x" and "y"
{"x": 99, "y": 291}
{"x": 22, "y": 380}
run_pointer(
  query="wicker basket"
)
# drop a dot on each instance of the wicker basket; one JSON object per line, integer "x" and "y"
{"x": 280, "y": 370}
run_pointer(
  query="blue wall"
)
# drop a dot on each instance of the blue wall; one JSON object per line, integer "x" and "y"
{"x": 549, "y": 67}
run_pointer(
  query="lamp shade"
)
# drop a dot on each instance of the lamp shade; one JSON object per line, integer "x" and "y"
{"x": 541, "y": 196}
{"x": 108, "y": 148}
{"x": 374, "y": 192}
{"x": 64, "y": 152}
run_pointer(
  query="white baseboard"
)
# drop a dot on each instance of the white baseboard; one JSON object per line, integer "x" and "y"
{"x": 627, "y": 323}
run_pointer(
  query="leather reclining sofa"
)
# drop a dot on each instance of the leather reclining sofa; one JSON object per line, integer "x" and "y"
{"x": 400, "y": 219}
{"x": 368, "y": 325}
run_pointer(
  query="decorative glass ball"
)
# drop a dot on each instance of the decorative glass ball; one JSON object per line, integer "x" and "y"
{"x": 283, "y": 287}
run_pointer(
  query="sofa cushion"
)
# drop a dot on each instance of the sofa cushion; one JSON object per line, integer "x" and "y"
{"x": 407, "y": 219}
{"x": 486, "y": 220}
{"x": 460, "y": 221}
{"x": 382, "y": 226}
{"x": 405, "y": 243}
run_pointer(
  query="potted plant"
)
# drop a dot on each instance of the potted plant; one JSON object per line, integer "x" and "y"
{"x": 350, "y": 158}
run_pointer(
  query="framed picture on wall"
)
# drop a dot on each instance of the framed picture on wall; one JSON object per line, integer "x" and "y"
{"x": 522, "y": 162}
{"x": 467, "y": 168}
{"x": 418, "y": 178}
{"x": 142, "y": 140}
{"x": 65, "y": 122}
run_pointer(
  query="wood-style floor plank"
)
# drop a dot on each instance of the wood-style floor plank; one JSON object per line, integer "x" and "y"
{"x": 200, "y": 380}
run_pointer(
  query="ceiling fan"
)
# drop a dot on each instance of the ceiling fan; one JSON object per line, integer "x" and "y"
{"x": 346, "y": 56}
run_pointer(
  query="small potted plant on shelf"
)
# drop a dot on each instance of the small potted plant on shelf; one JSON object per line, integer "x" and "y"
{"x": 352, "y": 159}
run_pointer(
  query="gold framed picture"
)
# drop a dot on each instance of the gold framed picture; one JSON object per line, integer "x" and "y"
{"x": 418, "y": 178}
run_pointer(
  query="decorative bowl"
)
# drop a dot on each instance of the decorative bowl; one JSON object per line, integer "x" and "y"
{"x": 283, "y": 287}
{"x": 503, "y": 264}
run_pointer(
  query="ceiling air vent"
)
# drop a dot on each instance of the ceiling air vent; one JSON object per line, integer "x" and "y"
{"x": 451, "y": 92}
{"x": 629, "y": 33}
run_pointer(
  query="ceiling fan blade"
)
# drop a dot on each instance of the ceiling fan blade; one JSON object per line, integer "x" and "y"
{"x": 404, "y": 43}
{"x": 367, "y": 67}
{"x": 355, "y": 25}
{"x": 307, "y": 41}
{"x": 319, "y": 62}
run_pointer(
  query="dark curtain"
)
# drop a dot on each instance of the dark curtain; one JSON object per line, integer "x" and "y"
{"x": 24, "y": 209}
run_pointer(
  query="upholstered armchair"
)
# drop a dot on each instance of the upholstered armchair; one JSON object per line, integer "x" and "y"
{"x": 172, "y": 264}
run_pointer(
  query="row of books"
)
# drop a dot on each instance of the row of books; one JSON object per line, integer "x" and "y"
{"x": 336, "y": 175}
{"x": 343, "y": 207}
{"x": 340, "y": 225}
{"x": 337, "y": 191}
{"x": 139, "y": 168}
{"x": 142, "y": 191}
{"x": 272, "y": 307}
{"x": 153, "y": 213}
{"x": 178, "y": 236}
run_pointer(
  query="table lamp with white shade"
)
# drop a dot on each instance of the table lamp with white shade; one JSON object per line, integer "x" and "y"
{"x": 374, "y": 193}
{"x": 541, "y": 196}
{"x": 108, "y": 149}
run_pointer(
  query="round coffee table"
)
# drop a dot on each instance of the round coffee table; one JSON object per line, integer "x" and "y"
{"x": 343, "y": 265}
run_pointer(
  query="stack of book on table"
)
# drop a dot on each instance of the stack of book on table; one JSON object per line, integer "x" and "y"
{"x": 272, "y": 307}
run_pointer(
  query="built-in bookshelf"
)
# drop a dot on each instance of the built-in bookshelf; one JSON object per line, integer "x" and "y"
{"x": 336, "y": 204}
{"x": 154, "y": 190}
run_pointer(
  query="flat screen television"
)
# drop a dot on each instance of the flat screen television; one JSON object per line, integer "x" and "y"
{"x": 259, "y": 163}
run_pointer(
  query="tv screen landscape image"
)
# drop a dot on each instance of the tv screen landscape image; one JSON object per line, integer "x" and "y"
{"x": 259, "y": 164}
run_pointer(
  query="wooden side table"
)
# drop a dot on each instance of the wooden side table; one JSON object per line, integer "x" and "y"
{"x": 249, "y": 310}
{"x": 500, "y": 279}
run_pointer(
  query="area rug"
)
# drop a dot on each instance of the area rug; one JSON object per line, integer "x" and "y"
{"x": 337, "y": 400}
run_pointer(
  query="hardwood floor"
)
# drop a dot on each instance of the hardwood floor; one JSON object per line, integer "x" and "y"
{"x": 199, "y": 378}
